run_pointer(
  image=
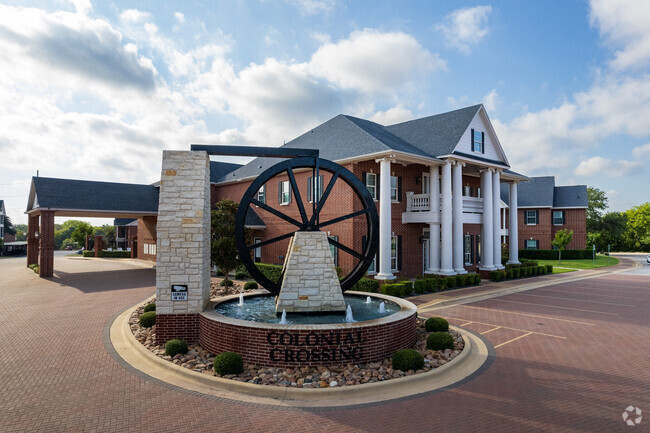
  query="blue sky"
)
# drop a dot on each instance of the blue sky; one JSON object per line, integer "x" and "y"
{"x": 95, "y": 90}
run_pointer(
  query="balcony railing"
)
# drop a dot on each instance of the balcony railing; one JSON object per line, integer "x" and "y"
{"x": 421, "y": 203}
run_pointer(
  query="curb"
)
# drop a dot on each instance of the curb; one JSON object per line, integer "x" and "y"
{"x": 476, "y": 355}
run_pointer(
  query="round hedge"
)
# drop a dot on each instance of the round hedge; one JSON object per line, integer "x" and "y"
{"x": 407, "y": 359}
{"x": 150, "y": 307}
{"x": 224, "y": 283}
{"x": 436, "y": 324}
{"x": 440, "y": 341}
{"x": 251, "y": 285}
{"x": 148, "y": 319}
{"x": 228, "y": 363}
{"x": 174, "y": 347}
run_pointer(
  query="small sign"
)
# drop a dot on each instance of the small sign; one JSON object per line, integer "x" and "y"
{"x": 179, "y": 292}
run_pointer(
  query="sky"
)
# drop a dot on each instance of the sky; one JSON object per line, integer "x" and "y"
{"x": 96, "y": 90}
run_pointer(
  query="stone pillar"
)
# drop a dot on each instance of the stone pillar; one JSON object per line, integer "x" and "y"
{"x": 99, "y": 244}
{"x": 32, "y": 240}
{"x": 487, "y": 230}
{"x": 183, "y": 244}
{"x": 384, "y": 221}
{"x": 496, "y": 210}
{"x": 46, "y": 240}
{"x": 434, "y": 228}
{"x": 457, "y": 220}
{"x": 513, "y": 234}
{"x": 446, "y": 222}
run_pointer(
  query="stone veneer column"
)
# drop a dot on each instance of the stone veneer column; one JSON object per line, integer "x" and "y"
{"x": 487, "y": 237}
{"x": 496, "y": 211}
{"x": 46, "y": 239}
{"x": 457, "y": 220}
{"x": 513, "y": 234}
{"x": 32, "y": 240}
{"x": 434, "y": 229}
{"x": 310, "y": 282}
{"x": 183, "y": 243}
{"x": 385, "y": 215}
{"x": 446, "y": 222}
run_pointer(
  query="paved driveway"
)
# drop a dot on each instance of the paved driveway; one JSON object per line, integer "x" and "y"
{"x": 569, "y": 357}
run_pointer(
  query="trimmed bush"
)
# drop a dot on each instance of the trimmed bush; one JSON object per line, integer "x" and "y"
{"x": 461, "y": 280}
{"x": 392, "y": 289}
{"x": 541, "y": 270}
{"x": 497, "y": 275}
{"x": 420, "y": 286}
{"x": 440, "y": 341}
{"x": 251, "y": 285}
{"x": 272, "y": 272}
{"x": 241, "y": 276}
{"x": 516, "y": 272}
{"x": 150, "y": 307}
{"x": 407, "y": 359}
{"x": 366, "y": 285}
{"x": 407, "y": 288}
{"x": 450, "y": 282}
{"x": 436, "y": 324}
{"x": 148, "y": 319}
{"x": 224, "y": 283}
{"x": 549, "y": 269}
{"x": 174, "y": 347}
{"x": 89, "y": 253}
{"x": 115, "y": 254}
{"x": 228, "y": 363}
{"x": 553, "y": 254}
{"x": 509, "y": 274}
{"x": 219, "y": 273}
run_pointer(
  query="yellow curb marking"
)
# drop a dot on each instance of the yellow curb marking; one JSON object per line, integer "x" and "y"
{"x": 505, "y": 327}
{"x": 577, "y": 300}
{"x": 563, "y": 308}
{"x": 522, "y": 314}
{"x": 490, "y": 330}
{"x": 510, "y": 341}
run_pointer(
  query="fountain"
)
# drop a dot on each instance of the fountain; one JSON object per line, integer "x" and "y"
{"x": 283, "y": 319}
{"x": 241, "y": 299}
{"x": 382, "y": 307}
{"x": 368, "y": 300}
{"x": 348, "y": 315}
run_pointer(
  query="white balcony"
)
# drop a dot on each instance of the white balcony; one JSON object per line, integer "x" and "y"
{"x": 418, "y": 210}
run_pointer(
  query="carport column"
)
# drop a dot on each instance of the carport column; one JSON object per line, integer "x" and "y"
{"x": 384, "y": 221}
{"x": 457, "y": 224}
{"x": 434, "y": 229}
{"x": 446, "y": 222}
{"x": 496, "y": 210}
{"x": 487, "y": 237}
{"x": 183, "y": 246}
{"x": 99, "y": 244}
{"x": 32, "y": 240}
{"x": 513, "y": 234}
{"x": 46, "y": 239}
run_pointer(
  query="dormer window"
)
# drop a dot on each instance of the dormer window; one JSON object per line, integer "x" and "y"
{"x": 477, "y": 141}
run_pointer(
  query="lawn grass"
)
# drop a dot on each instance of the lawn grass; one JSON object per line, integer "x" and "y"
{"x": 557, "y": 270}
{"x": 601, "y": 261}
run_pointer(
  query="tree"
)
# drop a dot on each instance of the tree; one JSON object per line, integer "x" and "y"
{"x": 613, "y": 228}
{"x": 222, "y": 241}
{"x": 65, "y": 232}
{"x": 9, "y": 227}
{"x": 562, "y": 239}
{"x": 108, "y": 232}
{"x": 79, "y": 234}
{"x": 638, "y": 227}
{"x": 596, "y": 205}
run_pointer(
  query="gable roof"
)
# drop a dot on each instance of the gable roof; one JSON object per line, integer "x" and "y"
{"x": 542, "y": 192}
{"x": 219, "y": 169}
{"x": 123, "y": 221}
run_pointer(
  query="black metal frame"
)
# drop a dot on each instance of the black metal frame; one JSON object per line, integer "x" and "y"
{"x": 301, "y": 158}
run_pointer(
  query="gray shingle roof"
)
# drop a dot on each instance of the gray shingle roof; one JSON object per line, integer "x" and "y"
{"x": 542, "y": 192}
{"x": 122, "y": 221}
{"x": 90, "y": 195}
{"x": 219, "y": 169}
{"x": 253, "y": 219}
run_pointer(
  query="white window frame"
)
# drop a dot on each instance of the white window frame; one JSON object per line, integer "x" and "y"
{"x": 334, "y": 250}
{"x": 394, "y": 188}
{"x": 261, "y": 194}
{"x": 313, "y": 188}
{"x": 393, "y": 253}
{"x": 561, "y": 212}
{"x": 372, "y": 269}
{"x": 533, "y": 214}
{"x": 425, "y": 183}
{"x": 477, "y": 142}
{"x": 372, "y": 189}
{"x": 149, "y": 249}
{"x": 534, "y": 242}
{"x": 467, "y": 249}
{"x": 257, "y": 251}
{"x": 286, "y": 191}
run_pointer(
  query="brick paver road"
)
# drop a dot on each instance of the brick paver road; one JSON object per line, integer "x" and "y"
{"x": 569, "y": 357}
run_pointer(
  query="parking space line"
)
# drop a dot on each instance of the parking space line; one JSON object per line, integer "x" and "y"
{"x": 490, "y": 330}
{"x": 592, "y": 293}
{"x": 577, "y": 300}
{"x": 465, "y": 324}
{"x": 514, "y": 339}
{"x": 563, "y": 308}
{"x": 518, "y": 314}
{"x": 504, "y": 327}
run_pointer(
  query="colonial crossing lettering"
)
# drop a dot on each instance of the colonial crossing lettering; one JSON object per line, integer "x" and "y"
{"x": 290, "y": 347}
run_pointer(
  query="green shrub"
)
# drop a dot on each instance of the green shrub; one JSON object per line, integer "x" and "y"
{"x": 535, "y": 270}
{"x": 509, "y": 274}
{"x": 220, "y": 273}
{"x": 392, "y": 289}
{"x": 541, "y": 270}
{"x": 228, "y": 363}
{"x": 433, "y": 284}
{"x": 450, "y": 282}
{"x": 251, "y": 285}
{"x": 420, "y": 286}
{"x": 407, "y": 359}
{"x": 461, "y": 280}
{"x": 440, "y": 341}
{"x": 224, "y": 283}
{"x": 549, "y": 269}
{"x": 115, "y": 254}
{"x": 174, "y": 347}
{"x": 474, "y": 279}
{"x": 34, "y": 267}
{"x": 436, "y": 324}
{"x": 89, "y": 253}
{"x": 366, "y": 285}
{"x": 496, "y": 275}
{"x": 516, "y": 272}
{"x": 407, "y": 288}
{"x": 553, "y": 254}
{"x": 241, "y": 276}
{"x": 148, "y": 319}
{"x": 272, "y": 272}
{"x": 150, "y": 307}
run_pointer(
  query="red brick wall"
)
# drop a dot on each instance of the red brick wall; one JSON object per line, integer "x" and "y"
{"x": 544, "y": 231}
{"x": 576, "y": 220}
{"x": 146, "y": 234}
{"x": 46, "y": 238}
{"x": 181, "y": 326}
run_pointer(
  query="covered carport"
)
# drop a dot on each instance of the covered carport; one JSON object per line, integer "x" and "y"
{"x": 51, "y": 197}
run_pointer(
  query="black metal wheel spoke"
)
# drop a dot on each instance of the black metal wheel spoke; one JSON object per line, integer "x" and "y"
{"x": 326, "y": 193}
{"x": 277, "y": 213}
{"x": 348, "y": 250}
{"x": 343, "y": 218}
{"x": 296, "y": 193}
{"x": 270, "y": 241}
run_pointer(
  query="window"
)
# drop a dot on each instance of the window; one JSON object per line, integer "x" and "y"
{"x": 425, "y": 183}
{"x": 467, "y": 250}
{"x": 531, "y": 244}
{"x": 531, "y": 217}
{"x": 371, "y": 184}
{"x": 334, "y": 250}
{"x": 150, "y": 249}
{"x": 258, "y": 251}
{"x": 371, "y": 268}
{"x": 477, "y": 142}
{"x": 558, "y": 217}
{"x": 261, "y": 194}
{"x": 394, "y": 189}
{"x": 393, "y": 253}
{"x": 311, "y": 188}
{"x": 285, "y": 192}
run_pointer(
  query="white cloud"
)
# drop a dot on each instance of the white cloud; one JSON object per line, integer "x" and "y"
{"x": 642, "y": 152}
{"x": 179, "y": 17}
{"x": 599, "y": 166}
{"x": 393, "y": 115}
{"x": 491, "y": 100}
{"x": 135, "y": 16}
{"x": 465, "y": 27}
{"x": 82, "y": 6}
{"x": 371, "y": 61}
{"x": 312, "y": 7}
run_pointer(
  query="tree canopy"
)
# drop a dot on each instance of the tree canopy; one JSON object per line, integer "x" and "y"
{"x": 222, "y": 241}
{"x": 596, "y": 206}
{"x": 562, "y": 239}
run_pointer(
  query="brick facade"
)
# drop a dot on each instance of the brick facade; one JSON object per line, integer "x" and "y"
{"x": 180, "y": 326}
{"x": 146, "y": 235}
{"x": 46, "y": 239}
{"x": 544, "y": 231}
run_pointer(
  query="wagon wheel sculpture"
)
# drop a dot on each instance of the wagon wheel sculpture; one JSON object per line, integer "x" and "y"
{"x": 313, "y": 223}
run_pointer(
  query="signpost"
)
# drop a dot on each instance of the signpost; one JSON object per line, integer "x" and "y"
{"x": 179, "y": 292}
{"x": 594, "y": 254}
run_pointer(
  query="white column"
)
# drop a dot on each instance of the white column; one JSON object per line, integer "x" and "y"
{"x": 513, "y": 234}
{"x": 457, "y": 223}
{"x": 434, "y": 229}
{"x": 487, "y": 237}
{"x": 496, "y": 209}
{"x": 384, "y": 221}
{"x": 446, "y": 222}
